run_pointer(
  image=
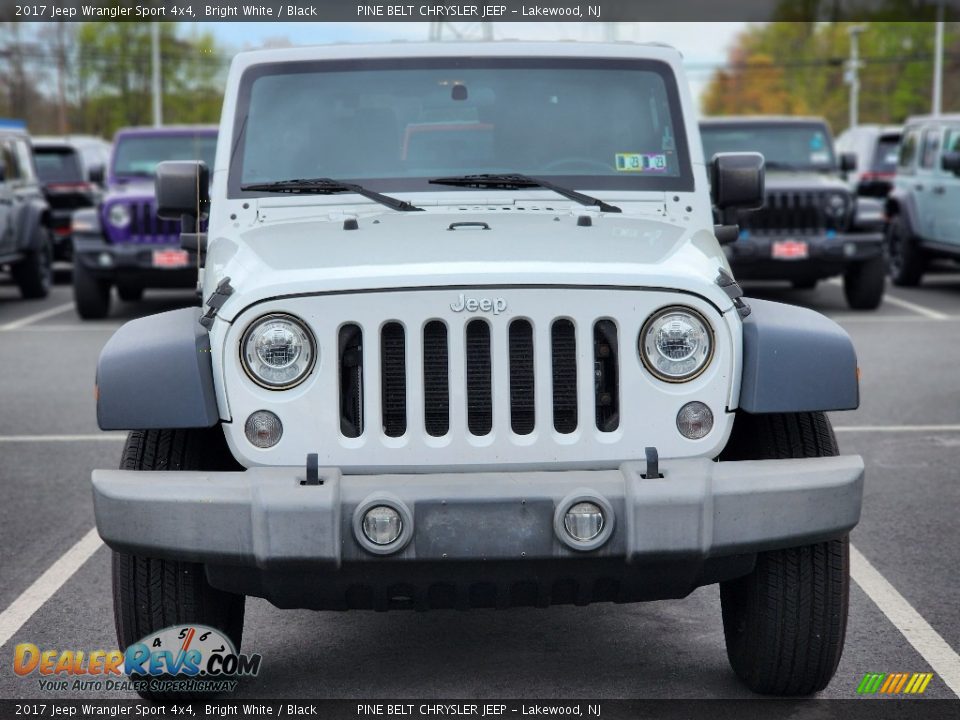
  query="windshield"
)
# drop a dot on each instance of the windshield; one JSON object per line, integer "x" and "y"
{"x": 138, "y": 155}
{"x": 396, "y": 124}
{"x": 57, "y": 165}
{"x": 800, "y": 146}
{"x": 887, "y": 152}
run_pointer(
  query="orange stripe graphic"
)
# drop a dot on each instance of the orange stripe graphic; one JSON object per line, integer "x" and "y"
{"x": 889, "y": 682}
{"x": 900, "y": 684}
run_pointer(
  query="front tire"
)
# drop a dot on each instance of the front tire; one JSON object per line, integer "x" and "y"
{"x": 151, "y": 594}
{"x": 864, "y": 284}
{"x": 90, "y": 295}
{"x": 34, "y": 273}
{"x": 785, "y": 622}
{"x": 905, "y": 260}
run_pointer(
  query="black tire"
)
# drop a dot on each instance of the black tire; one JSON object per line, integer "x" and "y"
{"x": 151, "y": 594}
{"x": 34, "y": 273}
{"x": 805, "y": 284}
{"x": 130, "y": 293}
{"x": 864, "y": 283}
{"x": 785, "y": 622}
{"x": 906, "y": 261}
{"x": 90, "y": 295}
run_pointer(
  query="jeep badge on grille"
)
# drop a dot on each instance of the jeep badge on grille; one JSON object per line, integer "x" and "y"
{"x": 494, "y": 305}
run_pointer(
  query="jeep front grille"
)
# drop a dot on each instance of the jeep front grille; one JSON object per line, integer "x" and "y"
{"x": 146, "y": 227}
{"x": 478, "y": 360}
{"x": 787, "y": 212}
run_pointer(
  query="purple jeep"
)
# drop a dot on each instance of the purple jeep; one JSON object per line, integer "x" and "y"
{"x": 122, "y": 242}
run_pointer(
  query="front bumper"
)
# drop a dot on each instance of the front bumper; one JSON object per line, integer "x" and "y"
{"x": 262, "y": 532}
{"x": 751, "y": 257}
{"x": 131, "y": 263}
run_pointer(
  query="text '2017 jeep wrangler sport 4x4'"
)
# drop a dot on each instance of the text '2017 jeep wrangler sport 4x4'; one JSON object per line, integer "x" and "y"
{"x": 469, "y": 339}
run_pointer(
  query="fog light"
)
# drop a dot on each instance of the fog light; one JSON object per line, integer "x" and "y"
{"x": 105, "y": 259}
{"x": 263, "y": 429}
{"x": 583, "y": 521}
{"x": 382, "y": 525}
{"x": 694, "y": 420}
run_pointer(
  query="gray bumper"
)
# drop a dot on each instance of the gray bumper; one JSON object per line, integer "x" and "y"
{"x": 264, "y": 518}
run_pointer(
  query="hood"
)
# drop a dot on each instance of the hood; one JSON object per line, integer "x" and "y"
{"x": 138, "y": 189}
{"x": 437, "y": 248}
{"x": 802, "y": 180}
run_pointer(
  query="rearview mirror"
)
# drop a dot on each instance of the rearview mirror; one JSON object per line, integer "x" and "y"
{"x": 736, "y": 183}
{"x": 183, "y": 189}
{"x": 848, "y": 162}
{"x": 951, "y": 162}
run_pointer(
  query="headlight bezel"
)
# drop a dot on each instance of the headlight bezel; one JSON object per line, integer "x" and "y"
{"x": 649, "y": 365}
{"x": 127, "y": 218}
{"x": 297, "y": 323}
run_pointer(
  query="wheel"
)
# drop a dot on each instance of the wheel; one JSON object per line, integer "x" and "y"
{"x": 805, "y": 284}
{"x": 150, "y": 594}
{"x": 90, "y": 295}
{"x": 905, "y": 260}
{"x": 785, "y": 622}
{"x": 130, "y": 293}
{"x": 34, "y": 274}
{"x": 864, "y": 283}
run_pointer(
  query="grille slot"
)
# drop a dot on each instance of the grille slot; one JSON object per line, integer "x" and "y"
{"x": 787, "y": 212}
{"x": 350, "y": 355}
{"x": 605, "y": 375}
{"x": 522, "y": 413}
{"x": 564, "y": 355}
{"x": 479, "y": 391}
{"x": 393, "y": 379}
{"x": 436, "y": 379}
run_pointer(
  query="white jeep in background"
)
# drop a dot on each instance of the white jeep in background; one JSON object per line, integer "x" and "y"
{"x": 468, "y": 339}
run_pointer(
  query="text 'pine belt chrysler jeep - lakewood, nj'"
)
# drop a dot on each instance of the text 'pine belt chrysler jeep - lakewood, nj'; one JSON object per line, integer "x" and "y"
{"x": 468, "y": 339}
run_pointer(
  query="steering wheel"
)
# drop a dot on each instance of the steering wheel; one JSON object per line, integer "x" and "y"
{"x": 581, "y": 162}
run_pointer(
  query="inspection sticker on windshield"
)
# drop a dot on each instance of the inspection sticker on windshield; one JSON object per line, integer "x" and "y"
{"x": 641, "y": 162}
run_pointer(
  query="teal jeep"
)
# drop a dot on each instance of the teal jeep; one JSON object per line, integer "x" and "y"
{"x": 923, "y": 210}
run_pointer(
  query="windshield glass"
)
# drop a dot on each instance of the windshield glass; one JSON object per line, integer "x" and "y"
{"x": 138, "y": 155}
{"x": 57, "y": 165}
{"x": 801, "y": 146}
{"x": 888, "y": 149}
{"x": 393, "y": 125}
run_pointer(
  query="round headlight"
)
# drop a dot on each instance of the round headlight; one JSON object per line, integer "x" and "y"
{"x": 278, "y": 351}
{"x": 836, "y": 205}
{"x": 676, "y": 344}
{"x": 119, "y": 215}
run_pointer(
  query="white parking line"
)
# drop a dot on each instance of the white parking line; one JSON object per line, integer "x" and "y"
{"x": 897, "y": 428}
{"x": 43, "y": 588}
{"x": 29, "y": 319}
{"x": 919, "y": 309}
{"x": 925, "y": 640}
{"x": 62, "y": 438}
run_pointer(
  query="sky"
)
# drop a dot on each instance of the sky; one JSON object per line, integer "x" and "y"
{"x": 704, "y": 45}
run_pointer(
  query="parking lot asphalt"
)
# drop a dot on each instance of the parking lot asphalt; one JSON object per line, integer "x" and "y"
{"x": 55, "y": 576}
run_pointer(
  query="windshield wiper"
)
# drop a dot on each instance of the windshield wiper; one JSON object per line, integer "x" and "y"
{"x": 327, "y": 186}
{"x": 515, "y": 181}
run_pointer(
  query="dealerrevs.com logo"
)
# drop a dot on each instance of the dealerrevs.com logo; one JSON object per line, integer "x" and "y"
{"x": 180, "y": 658}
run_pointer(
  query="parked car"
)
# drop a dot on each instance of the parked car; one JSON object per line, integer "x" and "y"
{"x": 506, "y": 381}
{"x": 26, "y": 245}
{"x": 804, "y": 231}
{"x": 123, "y": 243}
{"x": 876, "y": 148}
{"x": 72, "y": 171}
{"x": 924, "y": 205}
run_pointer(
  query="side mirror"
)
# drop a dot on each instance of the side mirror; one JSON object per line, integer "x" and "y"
{"x": 183, "y": 189}
{"x": 3, "y": 172}
{"x": 951, "y": 162}
{"x": 848, "y": 162}
{"x": 736, "y": 183}
{"x": 97, "y": 174}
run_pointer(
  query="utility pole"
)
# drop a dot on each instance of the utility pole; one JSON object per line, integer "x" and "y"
{"x": 157, "y": 90}
{"x": 853, "y": 72}
{"x": 937, "y": 105}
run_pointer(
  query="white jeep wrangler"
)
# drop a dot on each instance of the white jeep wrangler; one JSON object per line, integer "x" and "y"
{"x": 468, "y": 339}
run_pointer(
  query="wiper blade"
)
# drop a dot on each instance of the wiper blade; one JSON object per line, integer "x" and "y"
{"x": 515, "y": 181}
{"x": 328, "y": 186}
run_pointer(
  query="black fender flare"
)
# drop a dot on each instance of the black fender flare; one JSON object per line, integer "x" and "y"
{"x": 902, "y": 203}
{"x": 33, "y": 215}
{"x": 796, "y": 360}
{"x": 156, "y": 373}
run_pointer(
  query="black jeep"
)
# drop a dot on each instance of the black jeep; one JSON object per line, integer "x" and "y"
{"x": 26, "y": 247}
{"x": 804, "y": 231}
